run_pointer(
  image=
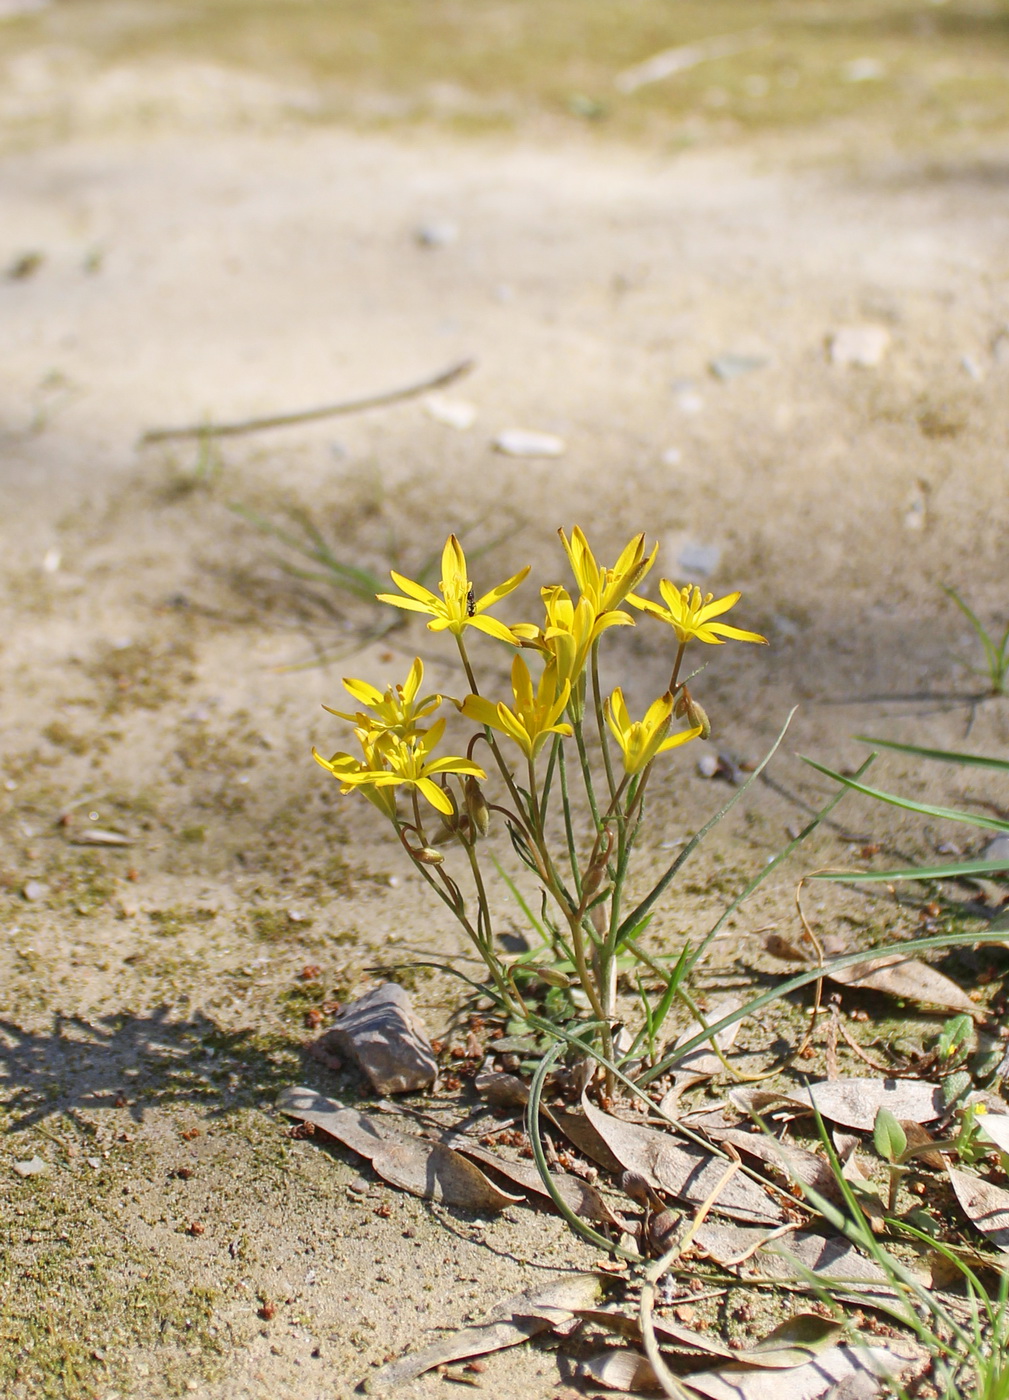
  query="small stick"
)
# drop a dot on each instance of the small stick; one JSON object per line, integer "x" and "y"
{"x": 309, "y": 415}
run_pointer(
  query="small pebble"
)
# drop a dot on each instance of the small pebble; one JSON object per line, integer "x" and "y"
{"x": 34, "y": 1167}
{"x": 35, "y": 890}
{"x": 437, "y": 234}
{"x": 861, "y": 346}
{"x": 524, "y": 442}
{"x": 454, "y": 413}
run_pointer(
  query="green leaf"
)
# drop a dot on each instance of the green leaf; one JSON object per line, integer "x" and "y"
{"x": 954, "y": 1086}
{"x": 951, "y": 871}
{"x": 975, "y": 760}
{"x": 945, "y": 813}
{"x": 888, "y": 1136}
{"x": 955, "y": 1039}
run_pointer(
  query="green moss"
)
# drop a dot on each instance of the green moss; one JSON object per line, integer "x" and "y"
{"x": 142, "y": 675}
{"x": 170, "y": 922}
{"x": 276, "y": 925}
{"x": 64, "y": 737}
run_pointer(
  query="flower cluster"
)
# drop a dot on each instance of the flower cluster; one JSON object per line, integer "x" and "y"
{"x": 397, "y": 748}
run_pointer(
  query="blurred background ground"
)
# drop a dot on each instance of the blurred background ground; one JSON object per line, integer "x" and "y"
{"x": 214, "y": 211}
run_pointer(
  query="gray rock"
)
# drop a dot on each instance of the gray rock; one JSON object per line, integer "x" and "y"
{"x": 35, "y": 890}
{"x": 382, "y": 1033}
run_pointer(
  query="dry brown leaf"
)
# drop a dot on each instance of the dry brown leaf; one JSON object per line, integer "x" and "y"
{"x": 670, "y": 1334}
{"x": 995, "y": 1127}
{"x": 731, "y": 1244}
{"x": 502, "y": 1090}
{"x": 851, "y": 1102}
{"x": 831, "y": 1259}
{"x": 985, "y": 1206}
{"x": 512, "y": 1321}
{"x": 900, "y": 976}
{"x": 621, "y": 1370}
{"x": 583, "y": 1198}
{"x": 577, "y": 1128}
{"x": 797, "y": 1163}
{"x": 702, "y": 1062}
{"x": 808, "y": 1382}
{"x": 424, "y": 1168}
{"x": 680, "y": 1167}
{"x": 892, "y": 973}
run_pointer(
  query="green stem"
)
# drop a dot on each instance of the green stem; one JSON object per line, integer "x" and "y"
{"x": 568, "y": 825}
{"x": 597, "y": 705}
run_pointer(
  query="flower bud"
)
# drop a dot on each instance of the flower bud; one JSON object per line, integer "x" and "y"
{"x": 476, "y": 806}
{"x": 427, "y": 855}
{"x": 686, "y": 706}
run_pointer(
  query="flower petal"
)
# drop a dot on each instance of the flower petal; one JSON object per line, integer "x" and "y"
{"x": 502, "y": 590}
{"x": 438, "y": 797}
{"x": 737, "y": 633}
{"x": 491, "y": 626}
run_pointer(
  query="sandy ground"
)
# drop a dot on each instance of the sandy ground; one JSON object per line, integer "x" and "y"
{"x": 150, "y": 994}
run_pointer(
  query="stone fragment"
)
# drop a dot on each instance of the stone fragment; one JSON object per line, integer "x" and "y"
{"x": 35, "y": 890}
{"x": 437, "y": 234}
{"x": 383, "y": 1035}
{"x": 34, "y": 1167}
{"x": 523, "y": 442}
{"x": 862, "y": 346}
{"x": 454, "y": 413}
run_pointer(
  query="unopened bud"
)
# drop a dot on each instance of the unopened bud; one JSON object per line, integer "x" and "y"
{"x": 476, "y": 806}
{"x": 687, "y": 707}
{"x": 427, "y": 855}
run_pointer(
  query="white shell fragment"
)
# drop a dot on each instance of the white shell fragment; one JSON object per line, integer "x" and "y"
{"x": 524, "y": 442}
{"x": 861, "y": 346}
{"x": 454, "y": 413}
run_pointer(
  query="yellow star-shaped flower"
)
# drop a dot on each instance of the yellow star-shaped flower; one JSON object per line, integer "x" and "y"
{"x": 644, "y": 739}
{"x": 691, "y": 613}
{"x": 457, "y": 608}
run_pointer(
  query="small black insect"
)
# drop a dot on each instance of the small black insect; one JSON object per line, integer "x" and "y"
{"x": 470, "y": 603}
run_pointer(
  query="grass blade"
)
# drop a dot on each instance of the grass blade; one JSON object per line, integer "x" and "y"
{"x": 972, "y": 760}
{"x": 944, "y": 813}
{"x": 926, "y": 872}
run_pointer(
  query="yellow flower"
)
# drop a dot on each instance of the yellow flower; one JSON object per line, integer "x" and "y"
{"x": 641, "y": 740}
{"x": 457, "y": 607}
{"x": 535, "y": 715}
{"x": 689, "y": 613}
{"x": 393, "y": 762}
{"x": 569, "y": 631}
{"x": 397, "y": 711}
{"x": 606, "y": 588}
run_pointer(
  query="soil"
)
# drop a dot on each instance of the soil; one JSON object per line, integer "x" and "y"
{"x": 213, "y": 258}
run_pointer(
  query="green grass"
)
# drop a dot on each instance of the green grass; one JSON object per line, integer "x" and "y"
{"x": 509, "y": 63}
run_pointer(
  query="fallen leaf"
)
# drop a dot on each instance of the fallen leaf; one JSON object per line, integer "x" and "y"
{"x": 671, "y": 1334}
{"x": 899, "y": 976}
{"x": 424, "y": 1168}
{"x": 583, "y": 1198}
{"x": 995, "y": 1128}
{"x": 793, "y": 1342}
{"x": 731, "y": 1244}
{"x": 797, "y": 1163}
{"x": 620, "y": 1370}
{"x": 892, "y": 973}
{"x": 502, "y": 1090}
{"x": 512, "y": 1321}
{"x": 577, "y": 1128}
{"x": 808, "y": 1382}
{"x": 851, "y": 1102}
{"x": 985, "y": 1206}
{"x": 703, "y": 1061}
{"x": 683, "y": 1169}
{"x": 831, "y": 1259}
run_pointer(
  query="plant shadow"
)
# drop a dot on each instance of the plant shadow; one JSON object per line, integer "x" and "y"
{"x": 136, "y": 1063}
